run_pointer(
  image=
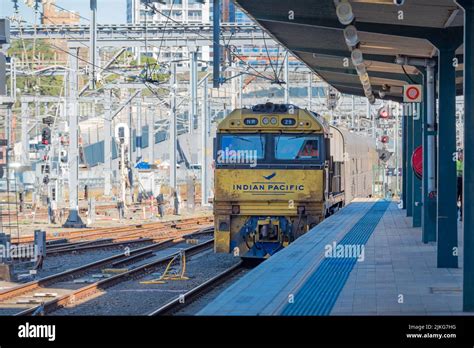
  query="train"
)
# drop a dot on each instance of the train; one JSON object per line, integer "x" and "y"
{"x": 279, "y": 170}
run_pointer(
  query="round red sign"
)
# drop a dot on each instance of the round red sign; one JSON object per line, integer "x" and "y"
{"x": 417, "y": 161}
{"x": 413, "y": 93}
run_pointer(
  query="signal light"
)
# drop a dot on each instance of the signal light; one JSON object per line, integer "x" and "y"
{"x": 46, "y": 136}
{"x": 383, "y": 113}
{"x": 384, "y": 139}
{"x": 49, "y": 120}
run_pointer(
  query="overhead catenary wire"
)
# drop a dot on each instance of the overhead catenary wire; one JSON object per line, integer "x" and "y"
{"x": 160, "y": 47}
{"x": 162, "y": 36}
{"x": 282, "y": 65}
{"x": 67, "y": 52}
{"x": 212, "y": 41}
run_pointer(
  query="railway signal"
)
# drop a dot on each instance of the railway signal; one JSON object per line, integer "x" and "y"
{"x": 384, "y": 139}
{"x": 383, "y": 113}
{"x": 46, "y": 136}
{"x": 48, "y": 120}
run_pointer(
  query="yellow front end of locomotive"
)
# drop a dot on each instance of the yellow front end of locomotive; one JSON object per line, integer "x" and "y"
{"x": 270, "y": 178}
{"x": 270, "y": 194}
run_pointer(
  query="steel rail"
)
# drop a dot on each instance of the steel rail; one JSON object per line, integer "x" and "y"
{"x": 89, "y": 290}
{"x": 187, "y": 298}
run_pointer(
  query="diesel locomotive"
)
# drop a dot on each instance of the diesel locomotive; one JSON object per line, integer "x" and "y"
{"x": 279, "y": 171}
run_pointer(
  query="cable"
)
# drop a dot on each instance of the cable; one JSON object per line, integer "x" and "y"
{"x": 268, "y": 55}
{"x": 87, "y": 19}
{"x": 159, "y": 48}
{"x": 212, "y": 41}
{"x": 163, "y": 35}
{"x": 403, "y": 68}
{"x": 86, "y": 61}
{"x": 83, "y": 44}
{"x": 282, "y": 65}
{"x": 278, "y": 57}
{"x": 72, "y": 12}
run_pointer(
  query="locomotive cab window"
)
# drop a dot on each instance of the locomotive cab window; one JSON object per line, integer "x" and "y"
{"x": 298, "y": 147}
{"x": 243, "y": 146}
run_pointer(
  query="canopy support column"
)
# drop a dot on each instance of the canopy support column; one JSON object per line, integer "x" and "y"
{"x": 447, "y": 184}
{"x": 468, "y": 172}
{"x": 409, "y": 147}
{"x": 417, "y": 187}
{"x": 429, "y": 151}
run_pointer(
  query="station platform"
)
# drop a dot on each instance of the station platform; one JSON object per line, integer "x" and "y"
{"x": 364, "y": 260}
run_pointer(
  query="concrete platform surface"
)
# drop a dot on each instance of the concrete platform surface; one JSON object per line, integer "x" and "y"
{"x": 389, "y": 271}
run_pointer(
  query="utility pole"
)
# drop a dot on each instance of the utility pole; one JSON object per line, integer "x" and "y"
{"x": 25, "y": 143}
{"x": 353, "y": 112}
{"x": 374, "y": 135}
{"x": 216, "y": 48}
{"x": 151, "y": 134}
{"x": 241, "y": 86}
{"x": 233, "y": 96}
{"x": 193, "y": 80}
{"x": 396, "y": 141}
{"x": 172, "y": 128}
{"x": 123, "y": 172}
{"x": 108, "y": 144}
{"x": 130, "y": 131}
{"x": 93, "y": 44}
{"x": 310, "y": 90}
{"x": 139, "y": 128}
{"x": 204, "y": 126}
{"x": 73, "y": 220}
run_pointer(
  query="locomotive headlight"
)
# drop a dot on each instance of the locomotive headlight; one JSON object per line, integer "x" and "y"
{"x": 265, "y": 120}
{"x": 274, "y": 121}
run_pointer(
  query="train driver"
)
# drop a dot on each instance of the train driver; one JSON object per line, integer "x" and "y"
{"x": 309, "y": 149}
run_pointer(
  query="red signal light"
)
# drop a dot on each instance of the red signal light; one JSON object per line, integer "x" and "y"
{"x": 383, "y": 113}
{"x": 384, "y": 139}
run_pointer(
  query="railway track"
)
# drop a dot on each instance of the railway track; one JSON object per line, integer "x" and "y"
{"x": 83, "y": 293}
{"x": 117, "y": 242}
{"x": 122, "y": 232}
{"x": 79, "y": 271}
{"x": 204, "y": 288}
{"x": 83, "y": 270}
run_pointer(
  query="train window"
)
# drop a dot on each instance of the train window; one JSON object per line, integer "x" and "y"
{"x": 297, "y": 147}
{"x": 239, "y": 148}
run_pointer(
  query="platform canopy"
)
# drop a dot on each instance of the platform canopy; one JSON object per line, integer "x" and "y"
{"x": 312, "y": 31}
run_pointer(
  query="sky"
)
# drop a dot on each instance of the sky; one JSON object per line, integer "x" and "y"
{"x": 108, "y": 11}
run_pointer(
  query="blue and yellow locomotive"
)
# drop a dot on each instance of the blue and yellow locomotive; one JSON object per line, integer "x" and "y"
{"x": 279, "y": 171}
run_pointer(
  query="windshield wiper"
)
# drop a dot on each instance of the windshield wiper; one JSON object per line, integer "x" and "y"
{"x": 241, "y": 138}
{"x": 261, "y": 143}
